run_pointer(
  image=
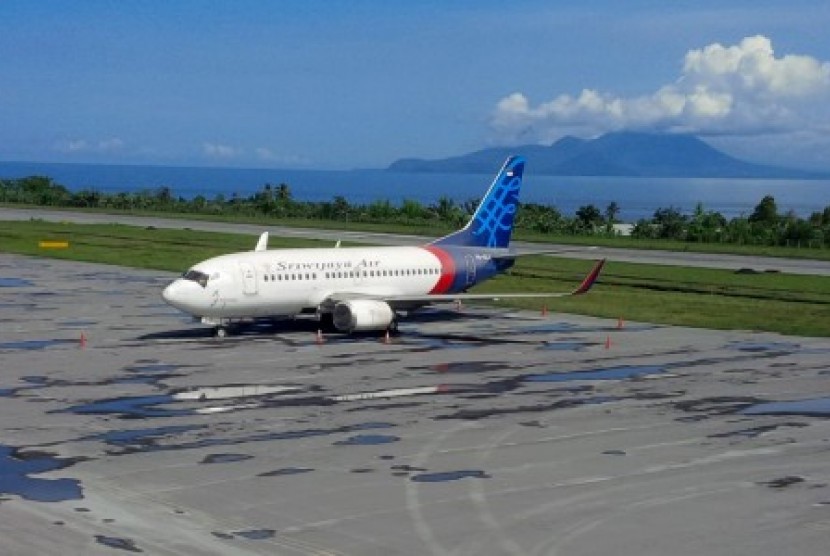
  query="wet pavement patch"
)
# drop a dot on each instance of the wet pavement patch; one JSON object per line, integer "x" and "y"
{"x": 117, "y": 543}
{"x": 460, "y": 367}
{"x": 225, "y": 458}
{"x": 564, "y": 346}
{"x": 442, "y": 477}
{"x": 717, "y": 405}
{"x": 131, "y": 407}
{"x": 152, "y": 368}
{"x": 783, "y": 482}
{"x": 214, "y": 441}
{"x": 757, "y": 431}
{"x": 136, "y": 439}
{"x": 482, "y": 413}
{"x": 760, "y": 347}
{"x": 367, "y": 440}
{"x": 218, "y": 535}
{"x": 612, "y": 373}
{"x": 255, "y": 534}
{"x": 14, "y": 283}
{"x": 406, "y": 470}
{"x": 16, "y": 468}
{"x": 816, "y": 407}
{"x": 35, "y": 344}
{"x": 286, "y": 471}
{"x": 77, "y": 323}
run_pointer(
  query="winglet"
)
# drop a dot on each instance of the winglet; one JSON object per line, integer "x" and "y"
{"x": 589, "y": 280}
{"x": 262, "y": 244}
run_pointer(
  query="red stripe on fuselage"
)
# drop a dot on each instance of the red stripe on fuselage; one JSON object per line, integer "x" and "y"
{"x": 447, "y": 270}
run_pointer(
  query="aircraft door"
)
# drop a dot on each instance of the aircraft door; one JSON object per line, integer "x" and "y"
{"x": 471, "y": 270}
{"x": 249, "y": 284}
{"x": 359, "y": 269}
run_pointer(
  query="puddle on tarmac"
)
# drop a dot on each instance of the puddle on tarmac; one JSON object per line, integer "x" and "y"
{"x": 77, "y": 323}
{"x": 483, "y": 413}
{"x": 555, "y": 327}
{"x": 286, "y": 471}
{"x": 152, "y": 368}
{"x": 16, "y": 468}
{"x": 225, "y": 458}
{"x": 564, "y": 346}
{"x": 783, "y": 482}
{"x": 445, "y": 476}
{"x": 35, "y": 344}
{"x": 367, "y": 440}
{"x": 138, "y": 438}
{"x": 716, "y": 405}
{"x": 118, "y": 543}
{"x": 611, "y": 373}
{"x": 255, "y": 534}
{"x": 213, "y": 441}
{"x": 754, "y": 432}
{"x": 461, "y": 367}
{"x": 14, "y": 283}
{"x": 760, "y": 347}
{"x": 130, "y": 407}
{"x": 816, "y": 407}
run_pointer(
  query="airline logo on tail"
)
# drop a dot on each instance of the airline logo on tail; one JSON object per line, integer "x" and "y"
{"x": 492, "y": 223}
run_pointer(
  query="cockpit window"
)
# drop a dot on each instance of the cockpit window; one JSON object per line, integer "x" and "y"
{"x": 195, "y": 276}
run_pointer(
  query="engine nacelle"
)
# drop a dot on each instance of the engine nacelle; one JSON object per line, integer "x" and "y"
{"x": 362, "y": 314}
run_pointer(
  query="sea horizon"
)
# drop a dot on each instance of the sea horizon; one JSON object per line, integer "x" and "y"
{"x": 637, "y": 197}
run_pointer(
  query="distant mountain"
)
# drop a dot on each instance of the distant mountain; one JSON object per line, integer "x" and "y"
{"x": 613, "y": 154}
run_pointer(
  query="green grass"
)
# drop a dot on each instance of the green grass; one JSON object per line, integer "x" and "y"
{"x": 438, "y": 229}
{"x": 707, "y": 298}
{"x": 789, "y": 304}
{"x": 159, "y": 249}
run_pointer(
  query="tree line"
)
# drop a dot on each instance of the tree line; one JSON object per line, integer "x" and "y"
{"x": 764, "y": 226}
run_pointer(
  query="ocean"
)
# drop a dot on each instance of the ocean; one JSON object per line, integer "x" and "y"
{"x": 636, "y": 197}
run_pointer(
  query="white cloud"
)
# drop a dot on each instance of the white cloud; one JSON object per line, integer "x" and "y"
{"x": 213, "y": 150}
{"x": 722, "y": 90}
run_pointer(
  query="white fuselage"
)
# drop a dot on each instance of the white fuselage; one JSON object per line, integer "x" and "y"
{"x": 285, "y": 282}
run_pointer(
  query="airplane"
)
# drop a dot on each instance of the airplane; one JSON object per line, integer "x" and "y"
{"x": 354, "y": 289}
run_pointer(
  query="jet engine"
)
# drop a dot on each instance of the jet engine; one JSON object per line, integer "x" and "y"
{"x": 362, "y": 314}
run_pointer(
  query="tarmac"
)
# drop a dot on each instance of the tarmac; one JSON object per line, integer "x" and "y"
{"x": 126, "y": 428}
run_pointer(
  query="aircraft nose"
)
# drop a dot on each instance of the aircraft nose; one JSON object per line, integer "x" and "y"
{"x": 169, "y": 293}
{"x": 178, "y": 295}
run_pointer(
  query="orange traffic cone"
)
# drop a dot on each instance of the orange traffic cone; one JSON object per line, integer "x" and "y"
{"x": 544, "y": 310}
{"x": 620, "y": 323}
{"x": 319, "y": 336}
{"x": 608, "y": 342}
{"x": 386, "y": 338}
{"x": 83, "y": 340}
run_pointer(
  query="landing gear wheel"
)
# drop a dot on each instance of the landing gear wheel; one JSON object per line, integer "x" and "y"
{"x": 220, "y": 332}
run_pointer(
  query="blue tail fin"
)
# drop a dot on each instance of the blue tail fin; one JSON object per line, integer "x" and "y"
{"x": 492, "y": 223}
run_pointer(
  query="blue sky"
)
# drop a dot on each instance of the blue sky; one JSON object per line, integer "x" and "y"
{"x": 314, "y": 84}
